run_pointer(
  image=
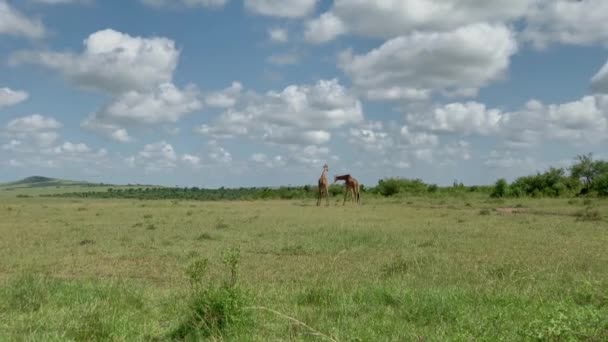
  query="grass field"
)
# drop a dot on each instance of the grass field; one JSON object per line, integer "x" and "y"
{"x": 414, "y": 269}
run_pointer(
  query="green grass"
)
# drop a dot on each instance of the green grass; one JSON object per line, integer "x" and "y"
{"x": 414, "y": 269}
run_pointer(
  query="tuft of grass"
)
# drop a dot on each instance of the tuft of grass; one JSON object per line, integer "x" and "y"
{"x": 484, "y": 211}
{"x": 221, "y": 225}
{"x": 204, "y": 236}
{"x": 151, "y": 226}
{"x": 588, "y": 214}
{"x": 292, "y": 250}
{"x": 86, "y": 242}
{"x": 213, "y": 311}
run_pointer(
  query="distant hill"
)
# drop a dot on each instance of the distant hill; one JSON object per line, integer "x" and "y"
{"x": 41, "y": 182}
{"x": 34, "y": 179}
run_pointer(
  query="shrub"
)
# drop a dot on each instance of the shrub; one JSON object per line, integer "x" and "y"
{"x": 500, "y": 188}
{"x": 601, "y": 185}
{"x": 392, "y": 186}
{"x": 213, "y": 310}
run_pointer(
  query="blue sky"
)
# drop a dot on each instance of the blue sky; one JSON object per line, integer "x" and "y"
{"x": 264, "y": 92}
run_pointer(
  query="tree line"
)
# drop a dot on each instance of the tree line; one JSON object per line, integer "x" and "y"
{"x": 586, "y": 177}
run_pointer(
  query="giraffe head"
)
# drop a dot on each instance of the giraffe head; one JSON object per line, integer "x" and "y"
{"x": 325, "y": 167}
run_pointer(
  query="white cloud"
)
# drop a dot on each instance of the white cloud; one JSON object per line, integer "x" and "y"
{"x": 262, "y": 159}
{"x": 567, "y": 22}
{"x": 9, "y": 97}
{"x": 324, "y": 28}
{"x": 187, "y": 3}
{"x": 462, "y": 118}
{"x": 299, "y": 114}
{"x": 225, "y": 98}
{"x": 418, "y": 138}
{"x": 599, "y": 82}
{"x": 391, "y": 18}
{"x": 13, "y": 23}
{"x": 113, "y": 62}
{"x": 219, "y": 154}
{"x": 33, "y": 123}
{"x": 289, "y": 135}
{"x": 32, "y": 132}
{"x": 278, "y": 35}
{"x": 109, "y": 130}
{"x": 68, "y": 147}
{"x": 453, "y": 63}
{"x": 582, "y": 121}
{"x": 136, "y": 72}
{"x": 167, "y": 103}
{"x": 154, "y": 157}
{"x": 309, "y": 155}
{"x": 281, "y": 8}
{"x": 192, "y": 160}
{"x": 509, "y": 160}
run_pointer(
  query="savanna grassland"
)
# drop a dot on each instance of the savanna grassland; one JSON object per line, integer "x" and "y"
{"x": 409, "y": 269}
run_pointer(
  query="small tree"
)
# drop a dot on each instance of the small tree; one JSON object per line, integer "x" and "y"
{"x": 500, "y": 188}
{"x": 584, "y": 169}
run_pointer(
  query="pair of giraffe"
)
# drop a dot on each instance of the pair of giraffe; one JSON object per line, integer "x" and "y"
{"x": 351, "y": 184}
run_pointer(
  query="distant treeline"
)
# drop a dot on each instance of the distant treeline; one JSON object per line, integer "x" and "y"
{"x": 585, "y": 177}
{"x": 384, "y": 188}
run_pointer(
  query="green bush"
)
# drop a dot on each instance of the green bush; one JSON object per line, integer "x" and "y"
{"x": 601, "y": 185}
{"x": 500, "y": 188}
{"x": 392, "y": 186}
{"x": 213, "y": 310}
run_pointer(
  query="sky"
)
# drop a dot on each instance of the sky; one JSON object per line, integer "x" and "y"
{"x": 233, "y": 93}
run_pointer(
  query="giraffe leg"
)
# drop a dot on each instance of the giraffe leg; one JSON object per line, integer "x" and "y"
{"x": 327, "y": 196}
{"x": 319, "y": 198}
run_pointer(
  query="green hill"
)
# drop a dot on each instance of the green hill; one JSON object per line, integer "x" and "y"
{"x": 41, "y": 182}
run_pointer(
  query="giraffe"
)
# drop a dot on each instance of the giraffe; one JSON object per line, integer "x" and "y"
{"x": 351, "y": 184}
{"x": 323, "y": 186}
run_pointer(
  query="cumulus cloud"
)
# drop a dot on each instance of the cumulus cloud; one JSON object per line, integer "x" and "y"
{"x": 463, "y": 118}
{"x": 187, "y": 3}
{"x": 192, "y": 160}
{"x": 324, "y": 28}
{"x": 299, "y": 114}
{"x": 225, "y": 98}
{"x": 74, "y": 148}
{"x": 9, "y": 97}
{"x": 581, "y": 121}
{"x": 33, "y": 123}
{"x": 14, "y": 23}
{"x": 278, "y": 35}
{"x": 454, "y": 63}
{"x": 167, "y": 103}
{"x": 112, "y": 62}
{"x": 392, "y": 18}
{"x": 281, "y": 8}
{"x": 599, "y": 82}
{"x": 136, "y": 72}
{"x": 32, "y": 131}
{"x": 567, "y": 22}
{"x": 108, "y": 130}
{"x": 218, "y": 154}
{"x": 154, "y": 157}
